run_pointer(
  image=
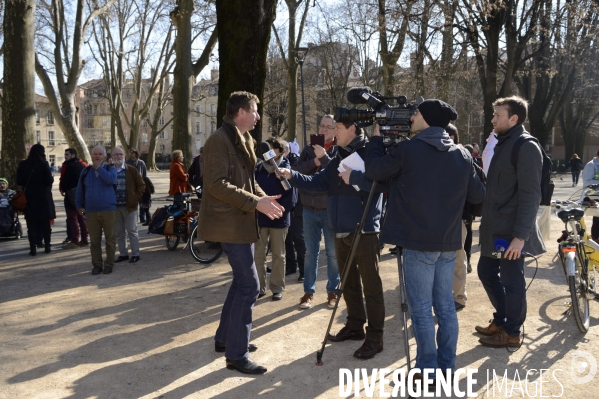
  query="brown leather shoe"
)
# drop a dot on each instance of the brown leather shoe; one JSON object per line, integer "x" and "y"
{"x": 501, "y": 340}
{"x": 369, "y": 349}
{"x": 345, "y": 333}
{"x": 490, "y": 330}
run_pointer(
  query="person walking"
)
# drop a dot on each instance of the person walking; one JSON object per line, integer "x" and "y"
{"x": 576, "y": 166}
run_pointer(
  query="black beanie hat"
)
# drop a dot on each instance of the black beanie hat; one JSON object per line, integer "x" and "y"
{"x": 437, "y": 112}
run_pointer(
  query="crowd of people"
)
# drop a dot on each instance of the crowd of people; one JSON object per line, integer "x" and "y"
{"x": 433, "y": 187}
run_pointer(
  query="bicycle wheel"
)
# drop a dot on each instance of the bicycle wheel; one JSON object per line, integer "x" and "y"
{"x": 171, "y": 242}
{"x": 578, "y": 292}
{"x": 204, "y": 251}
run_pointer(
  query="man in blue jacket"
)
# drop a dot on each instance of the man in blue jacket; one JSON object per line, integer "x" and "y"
{"x": 96, "y": 199}
{"x": 431, "y": 178}
{"x": 345, "y": 206}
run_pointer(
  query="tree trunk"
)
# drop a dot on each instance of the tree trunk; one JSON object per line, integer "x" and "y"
{"x": 182, "y": 79}
{"x": 18, "y": 102}
{"x": 243, "y": 49}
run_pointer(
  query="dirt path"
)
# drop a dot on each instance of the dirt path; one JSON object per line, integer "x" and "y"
{"x": 146, "y": 331}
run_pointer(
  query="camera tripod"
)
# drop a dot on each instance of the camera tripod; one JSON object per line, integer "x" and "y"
{"x": 339, "y": 291}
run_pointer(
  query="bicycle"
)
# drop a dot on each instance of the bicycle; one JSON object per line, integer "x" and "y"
{"x": 185, "y": 227}
{"x": 578, "y": 254}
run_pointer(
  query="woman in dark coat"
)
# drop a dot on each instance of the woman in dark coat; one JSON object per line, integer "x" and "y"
{"x": 34, "y": 176}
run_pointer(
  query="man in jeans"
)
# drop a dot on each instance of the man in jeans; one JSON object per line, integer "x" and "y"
{"x": 96, "y": 200}
{"x": 431, "y": 179}
{"x": 312, "y": 159}
{"x": 230, "y": 200}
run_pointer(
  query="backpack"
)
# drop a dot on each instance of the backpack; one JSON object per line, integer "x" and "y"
{"x": 476, "y": 210}
{"x": 547, "y": 184}
{"x": 157, "y": 223}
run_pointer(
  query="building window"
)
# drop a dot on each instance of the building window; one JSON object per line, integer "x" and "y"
{"x": 87, "y": 107}
{"x": 51, "y": 142}
{"x": 89, "y": 123}
{"x": 144, "y": 138}
{"x": 38, "y": 136}
{"x": 106, "y": 121}
{"x": 198, "y": 131}
{"x": 198, "y": 109}
{"x": 52, "y": 160}
{"x": 144, "y": 124}
{"x": 37, "y": 117}
{"x": 212, "y": 127}
{"x": 50, "y": 118}
{"x": 212, "y": 109}
{"x": 126, "y": 105}
{"x": 161, "y": 120}
{"x": 163, "y": 135}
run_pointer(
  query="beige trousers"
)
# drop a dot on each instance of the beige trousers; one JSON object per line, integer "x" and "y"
{"x": 277, "y": 249}
{"x": 460, "y": 270}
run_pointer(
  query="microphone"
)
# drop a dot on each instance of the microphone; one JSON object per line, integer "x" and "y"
{"x": 354, "y": 95}
{"x": 502, "y": 245}
{"x": 269, "y": 156}
{"x": 363, "y": 95}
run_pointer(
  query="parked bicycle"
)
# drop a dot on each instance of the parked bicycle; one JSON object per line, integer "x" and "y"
{"x": 185, "y": 226}
{"x": 579, "y": 255}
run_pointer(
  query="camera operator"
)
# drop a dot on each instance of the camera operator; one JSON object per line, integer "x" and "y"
{"x": 510, "y": 213}
{"x": 431, "y": 179}
{"x": 345, "y": 207}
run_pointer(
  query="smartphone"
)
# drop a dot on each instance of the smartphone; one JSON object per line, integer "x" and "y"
{"x": 317, "y": 139}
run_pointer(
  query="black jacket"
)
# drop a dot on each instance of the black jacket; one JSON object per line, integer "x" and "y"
{"x": 431, "y": 178}
{"x": 70, "y": 178}
{"x": 40, "y": 205}
{"x": 313, "y": 200}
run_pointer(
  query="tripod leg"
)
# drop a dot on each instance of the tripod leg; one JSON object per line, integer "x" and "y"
{"x": 339, "y": 292}
{"x": 404, "y": 306}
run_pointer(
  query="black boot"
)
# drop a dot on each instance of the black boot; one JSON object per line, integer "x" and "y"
{"x": 32, "y": 250}
{"x": 48, "y": 248}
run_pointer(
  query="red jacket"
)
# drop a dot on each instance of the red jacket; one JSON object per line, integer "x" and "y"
{"x": 179, "y": 178}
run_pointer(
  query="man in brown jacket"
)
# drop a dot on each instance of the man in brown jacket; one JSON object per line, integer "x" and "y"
{"x": 129, "y": 189}
{"x": 230, "y": 200}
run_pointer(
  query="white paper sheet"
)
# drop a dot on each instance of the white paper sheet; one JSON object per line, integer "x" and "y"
{"x": 354, "y": 162}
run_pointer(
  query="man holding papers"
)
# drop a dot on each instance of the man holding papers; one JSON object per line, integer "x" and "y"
{"x": 345, "y": 206}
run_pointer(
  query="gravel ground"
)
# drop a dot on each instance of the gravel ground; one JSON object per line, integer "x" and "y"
{"x": 146, "y": 330}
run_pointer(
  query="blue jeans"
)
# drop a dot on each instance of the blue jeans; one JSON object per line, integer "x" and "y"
{"x": 236, "y": 317}
{"x": 504, "y": 282}
{"x": 429, "y": 277}
{"x": 314, "y": 224}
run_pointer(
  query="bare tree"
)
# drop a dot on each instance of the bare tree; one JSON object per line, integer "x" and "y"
{"x": 288, "y": 58}
{"x": 393, "y": 26}
{"x": 66, "y": 61}
{"x": 142, "y": 40}
{"x": 186, "y": 71}
{"x": 565, "y": 40}
{"x": 18, "y": 95}
{"x": 483, "y": 24}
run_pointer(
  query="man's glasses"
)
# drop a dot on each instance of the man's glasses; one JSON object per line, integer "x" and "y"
{"x": 327, "y": 127}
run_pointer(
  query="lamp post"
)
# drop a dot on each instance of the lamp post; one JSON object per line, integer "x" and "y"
{"x": 300, "y": 55}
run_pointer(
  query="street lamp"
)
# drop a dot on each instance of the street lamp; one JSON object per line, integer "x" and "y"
{"x": 300, "y": 55}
